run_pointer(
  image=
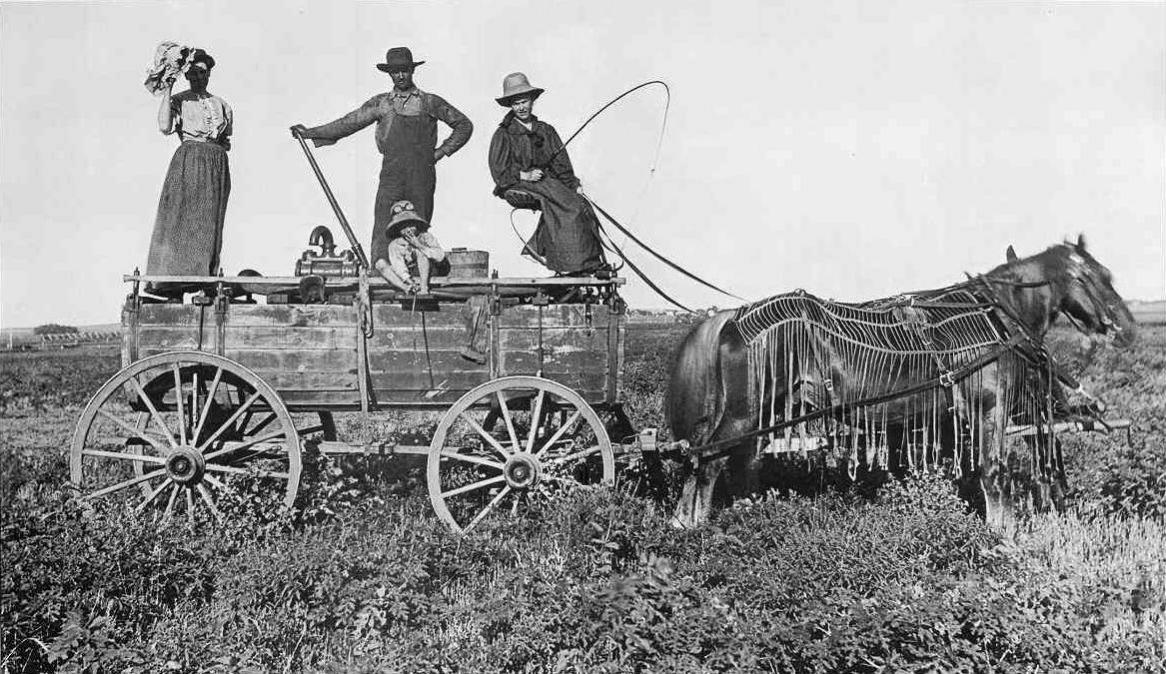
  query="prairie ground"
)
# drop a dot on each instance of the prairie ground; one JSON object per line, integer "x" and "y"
{"x": 363, "y": 578}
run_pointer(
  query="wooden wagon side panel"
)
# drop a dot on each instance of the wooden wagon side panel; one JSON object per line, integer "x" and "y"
{"x": 414, "y": 354}
{"x": 307, "y": 353}
{"x": 576, "y": 345}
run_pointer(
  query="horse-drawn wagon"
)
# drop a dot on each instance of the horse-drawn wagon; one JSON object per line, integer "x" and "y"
{"x": 224, "y": 388}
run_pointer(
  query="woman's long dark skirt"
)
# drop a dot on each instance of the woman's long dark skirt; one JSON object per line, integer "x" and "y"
{"x": 567, "y": 237}
{"x": 188, "y": 231}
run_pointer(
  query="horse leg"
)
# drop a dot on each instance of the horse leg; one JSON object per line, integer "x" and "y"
{"x": 995, "y": 475}
{"x": 696, "y": 497}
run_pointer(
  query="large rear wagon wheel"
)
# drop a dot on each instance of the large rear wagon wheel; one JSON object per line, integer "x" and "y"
{"x": 509, "y": 444}
{"x": 181, "y": 432}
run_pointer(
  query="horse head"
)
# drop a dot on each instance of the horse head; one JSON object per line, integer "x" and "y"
{"x": 1077, "y": 286}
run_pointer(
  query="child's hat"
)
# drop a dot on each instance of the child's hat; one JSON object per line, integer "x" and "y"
{"x": 403, "y": 215}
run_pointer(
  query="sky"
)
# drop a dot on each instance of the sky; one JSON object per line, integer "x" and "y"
{"x": 853, "y": 149}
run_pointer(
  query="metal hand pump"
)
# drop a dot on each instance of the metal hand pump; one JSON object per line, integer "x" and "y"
{"x": 356, "y": 247}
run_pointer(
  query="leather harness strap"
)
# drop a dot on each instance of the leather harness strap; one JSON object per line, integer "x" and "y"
{"x": 714, "y": 450}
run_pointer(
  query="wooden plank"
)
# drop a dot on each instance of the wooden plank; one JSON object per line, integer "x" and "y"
{"x": 166, "y": 338}
{"x": 298, "y": 400}
{"x": 569, "y": 340}
{"x": 291, "y": 315}
{"x": 555, "y": 316}
{"x": 409, "y": 339}
{"x": 419, "y": 380}
{"x": 296, "y": 360}
{"x": 174, "y": 314}
{"x": 291, "y": 337}
{"x": 528, "y": 362}
{"x": 310, "y": 381}
{"x": 441, "y": 360}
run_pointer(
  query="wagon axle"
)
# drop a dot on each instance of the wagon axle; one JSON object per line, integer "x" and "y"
{"x": 522, "y": 471}
{"x": 185, "y": 466}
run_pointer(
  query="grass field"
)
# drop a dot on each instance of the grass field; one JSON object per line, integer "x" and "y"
{"x": 363, "y": 578}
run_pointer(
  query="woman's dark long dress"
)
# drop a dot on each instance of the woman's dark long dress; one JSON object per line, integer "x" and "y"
{"x": 567, "y": 237}
{"x": 188, "y": 229}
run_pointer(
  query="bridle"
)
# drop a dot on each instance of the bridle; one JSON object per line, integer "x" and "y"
{"x": 1079, "y": 273}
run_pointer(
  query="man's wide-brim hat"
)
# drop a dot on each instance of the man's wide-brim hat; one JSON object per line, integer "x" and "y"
{"x": 404, "y": 215}
{"x": 398, "y": 58}
{"x": 515, "y": 85}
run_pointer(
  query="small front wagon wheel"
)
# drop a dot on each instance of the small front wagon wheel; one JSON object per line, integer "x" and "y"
{"x": 183, "y": 432}
{"x": 511, "y": 443}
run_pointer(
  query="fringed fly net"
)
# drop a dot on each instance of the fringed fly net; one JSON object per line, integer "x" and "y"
{"x": 807, "y": 354}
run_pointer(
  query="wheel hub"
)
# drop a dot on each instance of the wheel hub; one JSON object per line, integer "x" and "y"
{"x": 522, "y": 471}
{"x": 185, "y": 465}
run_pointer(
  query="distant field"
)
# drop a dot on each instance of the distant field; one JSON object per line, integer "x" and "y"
{"x": 1150, "y": 313}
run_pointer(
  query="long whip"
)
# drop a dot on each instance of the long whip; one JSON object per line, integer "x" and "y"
{"x": 663, "y": 259}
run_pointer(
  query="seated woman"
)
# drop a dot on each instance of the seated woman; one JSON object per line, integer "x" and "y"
{"x": 188, "y": 230}
{"x": 528, "y": 158}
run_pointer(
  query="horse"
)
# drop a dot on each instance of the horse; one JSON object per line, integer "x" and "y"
{"x": 935, "y": 375}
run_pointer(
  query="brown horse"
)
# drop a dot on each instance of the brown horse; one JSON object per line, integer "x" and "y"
{"x": 930, "y": 378}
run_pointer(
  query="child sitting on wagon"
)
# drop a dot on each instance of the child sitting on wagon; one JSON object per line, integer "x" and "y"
{"x": 410, "y": 247}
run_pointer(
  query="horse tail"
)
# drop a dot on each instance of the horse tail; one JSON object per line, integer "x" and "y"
{"x": 695, "y": 401}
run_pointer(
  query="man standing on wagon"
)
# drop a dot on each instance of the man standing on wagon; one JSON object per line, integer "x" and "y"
{"x": 406, "y": 135}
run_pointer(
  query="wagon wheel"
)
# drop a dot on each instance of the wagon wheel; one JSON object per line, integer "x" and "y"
{"x": 173, "y": 432}
{"x": 547, "y": 439}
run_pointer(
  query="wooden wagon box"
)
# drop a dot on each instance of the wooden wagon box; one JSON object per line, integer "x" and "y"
{"x": 310, "y": 353}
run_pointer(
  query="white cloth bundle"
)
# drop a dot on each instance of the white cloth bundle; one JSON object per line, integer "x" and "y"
{"x": 170, "y": 60}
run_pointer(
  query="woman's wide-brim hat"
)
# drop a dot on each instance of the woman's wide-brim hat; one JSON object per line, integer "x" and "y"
{"x": 404, "y": 214}
{"x": 516, "y": 85}
{"x": 397, "y": 59}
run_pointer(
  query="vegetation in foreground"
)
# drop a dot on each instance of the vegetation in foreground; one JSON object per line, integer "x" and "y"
{"x": 364, "y": 578}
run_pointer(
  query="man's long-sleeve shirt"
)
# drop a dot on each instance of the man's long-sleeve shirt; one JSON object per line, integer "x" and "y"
{"x": 384, "y": 108}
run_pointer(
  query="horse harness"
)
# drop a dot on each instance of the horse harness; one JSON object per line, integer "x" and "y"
{"x": 911, "y": 310}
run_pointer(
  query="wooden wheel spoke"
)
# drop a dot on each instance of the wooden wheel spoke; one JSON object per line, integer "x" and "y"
{"x": 153, "y": 411}
{"x": 134, "y": 432}
{"x": 153, "y": 495}
{"x": 124, "y": 456}
{"x": 170, "y": 502}
{"x": 231, "y": 421}
{"x": 193, "y": 402}
{"x": 237, "y": 446}
{"x": 482, "y": 432}
{"x": 534, "y": 420}
{"x": 190, "y": 503}
{"x": 489, "y": 506}
{"x": 178, "y": 402}
{"x": 210, "y": 502}
{"x": 571, "y": 421}
{"x": 509, "y": 421}
{"x": 480, "y": 484}
{"x": 206, "y": 408}
{"x": 213, "y": 481}
{"x": 235, "y": 470}
{"x": 453, "y": 454}
{"x": 261, "y": 425}
{"x": 126, "y": 483}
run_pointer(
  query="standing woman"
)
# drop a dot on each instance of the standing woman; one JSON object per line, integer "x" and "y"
{"x": 188, "y": 231}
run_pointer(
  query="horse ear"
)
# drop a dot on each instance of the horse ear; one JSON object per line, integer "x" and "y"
{"x": 1081, "y": 241}
{"x": 1010, "y": 254}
